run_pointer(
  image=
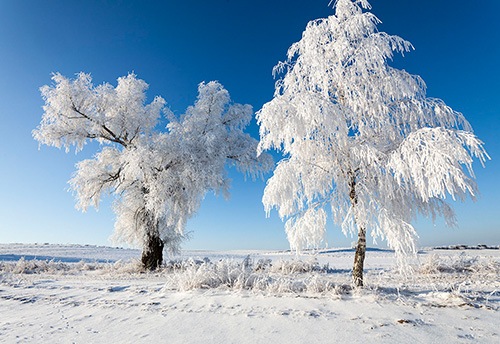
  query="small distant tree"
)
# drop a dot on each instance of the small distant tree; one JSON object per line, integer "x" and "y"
{"x": 361, "y": 137}
{"x": 158, "y": 177}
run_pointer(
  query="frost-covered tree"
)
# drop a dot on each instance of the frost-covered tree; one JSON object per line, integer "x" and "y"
{"x": 361, "y": 138}
{"x": 159, "y": 177}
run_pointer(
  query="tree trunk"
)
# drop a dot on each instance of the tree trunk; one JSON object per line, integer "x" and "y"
{"x": 152, "y": 254}
{"x": 359, "y": 258}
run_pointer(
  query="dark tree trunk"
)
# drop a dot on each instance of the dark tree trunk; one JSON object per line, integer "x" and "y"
{"x": 152, "y": 254}
{"x": 359, "y": 258}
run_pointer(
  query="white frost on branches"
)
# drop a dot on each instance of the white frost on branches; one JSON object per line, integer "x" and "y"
{"x": 159, "y": 178}
{"x": 308, "y": 230}
{"x": 361, "y": 136}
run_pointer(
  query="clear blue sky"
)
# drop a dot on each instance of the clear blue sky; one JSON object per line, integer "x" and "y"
{"x": 173, "y": 45}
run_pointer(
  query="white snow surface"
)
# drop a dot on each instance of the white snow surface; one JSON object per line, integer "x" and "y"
{"x": 90, "y": 294}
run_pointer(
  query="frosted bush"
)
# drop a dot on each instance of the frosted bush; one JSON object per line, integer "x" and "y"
{"x": 277, "y": 278}
{"x": 24, "y": 266}
{"x": 132, "y": 266}
{"x": 196, "y": 274}
{"x": 297, "y": 266}
{"x": 316, "y": 284}
{"x": 34, "y": 266}
{"x": 461, "y": 264}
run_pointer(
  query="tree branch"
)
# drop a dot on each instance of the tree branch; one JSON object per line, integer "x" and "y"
{"x": 113, "y": 137}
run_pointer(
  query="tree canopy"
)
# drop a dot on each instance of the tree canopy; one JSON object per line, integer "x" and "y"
{"x": 159, "y": 177}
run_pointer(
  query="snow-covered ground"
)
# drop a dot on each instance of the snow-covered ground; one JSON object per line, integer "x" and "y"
{"x": 88, "y": 294}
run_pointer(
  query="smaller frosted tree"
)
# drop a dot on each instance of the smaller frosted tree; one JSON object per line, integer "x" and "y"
{"x": 361, "y": 137}
{"x": 158, "y": 177}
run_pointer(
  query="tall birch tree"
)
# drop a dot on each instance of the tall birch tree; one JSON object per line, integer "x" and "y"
{"x": 362, "y": 138}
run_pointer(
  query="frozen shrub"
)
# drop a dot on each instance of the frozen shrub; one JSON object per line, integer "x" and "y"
{"x": 295, "y": 266}
{"x": 279, "y": 278}
{"x": 461, "y": 264}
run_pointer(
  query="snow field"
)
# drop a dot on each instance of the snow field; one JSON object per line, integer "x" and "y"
{"x": 241, "y": 297}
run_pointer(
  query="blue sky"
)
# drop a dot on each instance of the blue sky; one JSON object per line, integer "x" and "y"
{"x": 174, "y": 45}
